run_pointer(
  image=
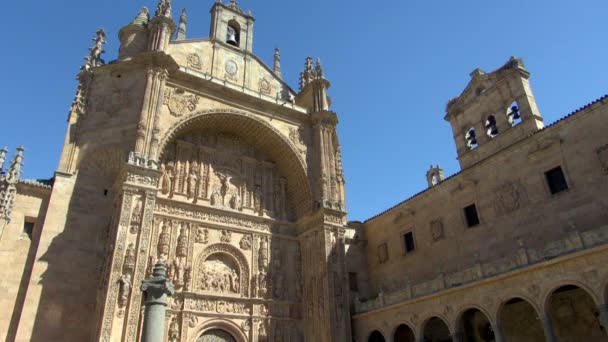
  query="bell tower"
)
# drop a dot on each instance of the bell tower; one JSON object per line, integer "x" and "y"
{"x": 231, "y": 25}
{"x": 496, "y": 110}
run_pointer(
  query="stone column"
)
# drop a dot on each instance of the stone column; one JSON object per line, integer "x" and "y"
{"x": 603, "y": 317}
{"x": 156, "y": 290}
{"x": 497, "y": 333}
{"x": 548, "y": 329}
{"x": 458, "y": 336}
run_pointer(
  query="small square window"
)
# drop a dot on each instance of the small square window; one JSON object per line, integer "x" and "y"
{"x": 28, "y": 228}
{"x": 352, "y": 282}
{"x": 408, "y": 242}
{"x": 556, "y": 180}
{"x": 383, "y": 253}
{"x": 470, "y": 214}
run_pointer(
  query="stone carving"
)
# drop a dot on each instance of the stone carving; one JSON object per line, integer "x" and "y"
{"x": 163, "y": 9}
{"x": 264, "y": 86}
{"x": 177, "y": 303}
{"x": 164, "y": 238}
{"x": 437, "y": 230}
{"x": 124, "y": 290}
{"x": 602, "y": 154}
{"x": 262, "y": 332}
{"x": 136, "y": 216}
{"x": 187, "y": 278}
{"x": 222, "y": 268}
{"x": 219, "y": 306}
{"x": 8, "y": 182}
{"x": 296, "y": 135}
{"x": 182, "y": 241}
{"x": 176, "y": 271}
{"x": 231, "y": 68}
{"x": 202, "y": 235}
{"x": 210, "y": 217}
{"x": 194, "y": 61}
{"x": 225, "y": 236}
{"x": 246, "y": 242}
{"x": 174, "y": 330}
{"x": 220, "y": 274}
{"x": 180, "y": 103}
{"x": 224, "y": 171}
{"x": 246, "y": 325}
{"x": 129, "y": 264}
{"x": 192, "y": 321}
{"x": 509, "y": 197}
{"x": 112, "y": 102}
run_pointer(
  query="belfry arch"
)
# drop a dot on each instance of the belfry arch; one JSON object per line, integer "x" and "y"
{"x": 261, "y": 135}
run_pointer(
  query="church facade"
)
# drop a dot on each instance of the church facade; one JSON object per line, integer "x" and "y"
{"x": 195, "y": 152}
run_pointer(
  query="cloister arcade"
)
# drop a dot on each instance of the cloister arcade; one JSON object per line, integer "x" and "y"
{"x": 568, "y": 311}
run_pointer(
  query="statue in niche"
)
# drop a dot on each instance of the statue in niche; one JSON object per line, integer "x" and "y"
{"x": 178, "y": 273}
{"x": 235, "y": 202}
{"x": 192, "y": 183}
{"x": 174, "y": 330}
{"x": 246, "y": 243}
{"x": 136, "y": 216}
{"x": 254, "y": 285}
{"x": 216, "y": 198}
{"x": 234, "y": 281}
{"x": 164, "y": 239}
{"x": 129, "y": 264}
{"x": 263, "y": 283}
{"x": 187, "y": 278}
{"x": 182, "y": 241}
{"x": 263, "y": 252}
{"x": 257, "y": 197}
{"x": 202, "y": 235}
{"x": 124, "y": 290}
{"x": 262, "y": 333}
{"x": 166, "y": 178}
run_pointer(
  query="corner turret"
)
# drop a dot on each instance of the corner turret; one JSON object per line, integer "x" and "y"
{"x": 134, "y": 37}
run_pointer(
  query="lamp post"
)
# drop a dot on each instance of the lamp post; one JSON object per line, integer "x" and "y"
{"x": 156, "y": 291}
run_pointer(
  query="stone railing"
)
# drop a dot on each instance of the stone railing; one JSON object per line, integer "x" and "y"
{"x": 573, "y": 241}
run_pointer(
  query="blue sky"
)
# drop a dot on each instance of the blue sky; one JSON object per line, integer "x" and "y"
{"x": 393, "y": 66}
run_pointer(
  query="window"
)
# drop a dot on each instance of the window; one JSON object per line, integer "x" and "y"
{"x": 28, "y": 228}
{"x": 491, "y": 126}
{"x": 471, "y": 138}
{"x": 233, "y": 33}
{"x": 408, "y": 242}
{"x": 470, "y": 214}
{"x": 556, "y": 180}
{"x": 383, "y": 253}
{"x": 352, "y": 282}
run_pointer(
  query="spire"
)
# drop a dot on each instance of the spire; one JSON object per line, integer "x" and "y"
{"x": 94, "y": 57}
{"x": 8, "y": 182}
{"x": 277, "y": 62}
{"x": 163, "y": 9}
{"x": 14, "y": 171}
{"x": 183, "y": 21}
{"x": 312, "y": 71}
{"x": 142, "y": 17}
{"x": 3, "y": 153}
{"x": 319, "y": 69}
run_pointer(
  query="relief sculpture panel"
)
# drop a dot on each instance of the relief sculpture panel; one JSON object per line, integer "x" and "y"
{"x": 223, "y": 171}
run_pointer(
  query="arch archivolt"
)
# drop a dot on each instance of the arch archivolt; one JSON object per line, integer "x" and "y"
{"x": 222, "y": 324}
{"x": 216, "y": 262}
{"x": 549, "y": 290}
{"x": 516, "y": 295}
{"x": 464, "y": 308}
{"x": 263, "y": 136}
{"x": 400, "y": 323}
{"x": 432, "y": 315}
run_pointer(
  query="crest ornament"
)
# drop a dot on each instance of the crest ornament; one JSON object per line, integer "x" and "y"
{"x": 180, "y": 103}
{"x": 265, "y": 87}
{"x": 231, "y": 67}
{"x": 194, "y": 61}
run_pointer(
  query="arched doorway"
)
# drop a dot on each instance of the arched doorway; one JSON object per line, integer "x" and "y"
{"x": 435, "y": 330}
{"x": 404, "y": 334}
{"x": 519, "y": 321}
{"x": 216, "y": 335}
{"x": 574, "y": 315}
{"x": 376, "y": 336}
{"x": 476, "y": 327}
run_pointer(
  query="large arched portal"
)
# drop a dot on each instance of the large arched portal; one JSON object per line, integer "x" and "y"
{"x": 435, "y": 330}
{"x": 404, "y": 334}
{"x": 216, "y": 335}
{"x": 519, "y": 321}
{"x": 476, "y": 327}
{"x": 574, "y": 315}
{"x": 235, "y": 161}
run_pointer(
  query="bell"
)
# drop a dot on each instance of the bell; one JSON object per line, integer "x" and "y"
{"x": 493, "y": 130}
{"x": 231, "y": 37}
{"x": 515, "y": 113}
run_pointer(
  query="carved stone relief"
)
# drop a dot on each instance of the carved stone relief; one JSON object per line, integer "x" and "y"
{"x": 136, "y": 216}
{"x": 202, "y": 235}
{"x": 437, "y": 230}
{"x": 194, "y": 61}
{"x": 219, "y": 306}
{"x": 264, "y": 86}
{"x": 246, "y": 242}
{"x": 509, "y": 197}
{"x": 179, "y": 102}
{"x": 222, "y": 269}
{"x": 223, "y": 171}
{"x": 225, "y": 236}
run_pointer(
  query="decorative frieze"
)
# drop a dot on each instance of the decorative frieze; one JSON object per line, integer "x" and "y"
{"x": 219, "y": 306}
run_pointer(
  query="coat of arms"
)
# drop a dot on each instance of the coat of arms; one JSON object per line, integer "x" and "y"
{"x": 180, "y": 103}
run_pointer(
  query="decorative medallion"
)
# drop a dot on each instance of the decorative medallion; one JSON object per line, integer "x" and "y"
{"x": 194, "y": 61}
{"x": 231, "y": 67}
{"x": 264, "y": 86}
{"x": 180, "y": 103}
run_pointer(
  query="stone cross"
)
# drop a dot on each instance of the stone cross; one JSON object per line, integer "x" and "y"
{"x": 156, "y": 291}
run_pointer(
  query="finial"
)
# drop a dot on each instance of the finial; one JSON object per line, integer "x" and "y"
{"x": 142, "y": 17}
{"x": 319, "y": 69}
{"x": 3, "y": 153}
{"x": 181, "y": 31}
{"x": 94, "y": 57}
{"x": 277, "y": 62}
{"x": 14, "y": 171}
{"x": 163, "y": 9}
